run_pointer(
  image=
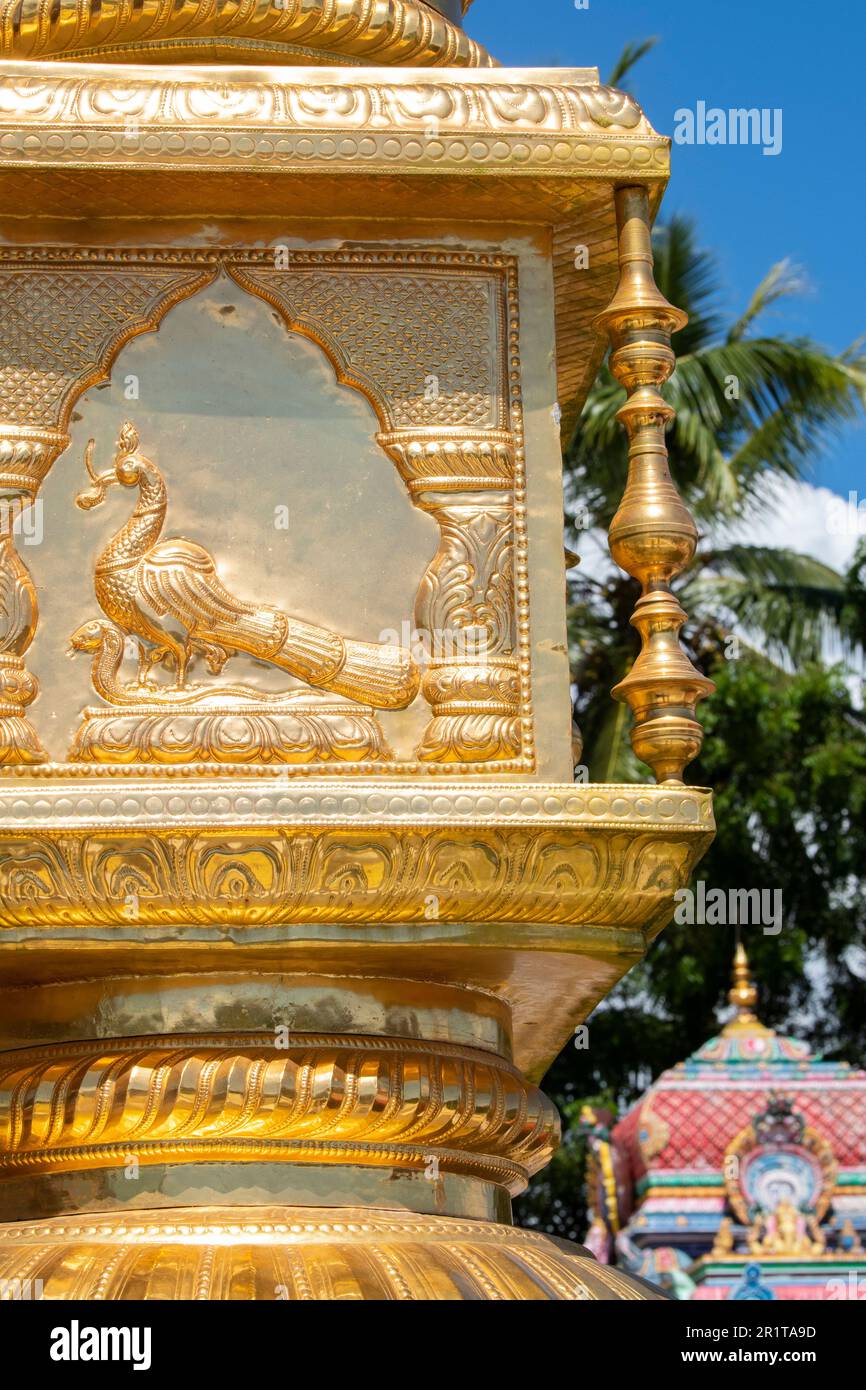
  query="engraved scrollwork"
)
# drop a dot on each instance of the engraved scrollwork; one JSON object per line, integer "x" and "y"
{"x": 480, "y": 462}
{"x": 337, "y": 875}
{"x": 355, "y": 104}
{"x": 25, "y": 457}
{"x": 19, "y": 742}
{"x": 331, "y": 733}
{"x": 467, "y": 594}
{"x": 466, "y": 604}
{"x": 475, "y": 712}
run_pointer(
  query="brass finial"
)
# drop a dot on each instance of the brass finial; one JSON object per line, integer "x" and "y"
{"x": 652, "y": 536}
{"x": 743, "y": 994}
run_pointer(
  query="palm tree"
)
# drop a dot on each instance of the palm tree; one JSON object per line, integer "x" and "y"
{"x": 752, "y": 409}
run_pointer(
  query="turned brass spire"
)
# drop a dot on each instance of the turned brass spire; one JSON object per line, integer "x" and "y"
{"x": 743, "y": 995}
{"x": 652, "y": 536}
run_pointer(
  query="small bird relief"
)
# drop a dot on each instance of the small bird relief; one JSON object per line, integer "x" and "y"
{"x": 163, "y": 597}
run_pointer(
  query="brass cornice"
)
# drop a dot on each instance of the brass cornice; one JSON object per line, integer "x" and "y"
{"x": 469, "y": 123}
{"x": 482, "y": 146}
{"x": 65, "y": 797}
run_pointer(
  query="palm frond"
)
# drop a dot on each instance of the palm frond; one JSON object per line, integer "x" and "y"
{"x": 783, "y": 280}
{"x": 805, "y": 398}
{"x": 772, "y": 564}
{"x": 611, "y": 757}
{"x": 793, "y": 602}
{"x": 631, "y": 55}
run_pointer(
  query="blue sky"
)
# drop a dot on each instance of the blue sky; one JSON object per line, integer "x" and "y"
{"x": 806, "y": 203}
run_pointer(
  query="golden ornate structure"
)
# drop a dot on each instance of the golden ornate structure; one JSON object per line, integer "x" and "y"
{"x": 284, "y": 955}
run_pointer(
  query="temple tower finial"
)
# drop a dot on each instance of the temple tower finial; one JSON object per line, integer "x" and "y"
{"x": 743, "y": 995}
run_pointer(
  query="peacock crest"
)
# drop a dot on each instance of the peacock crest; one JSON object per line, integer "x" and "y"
{"x": 128, "y": 440}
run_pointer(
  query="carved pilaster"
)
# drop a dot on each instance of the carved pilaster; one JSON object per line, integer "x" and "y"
{"x": 424, "y": 339}
{"x": 26, "y": 455}
{"x": 465, "y": 603}
{"x": 652, "y": 536}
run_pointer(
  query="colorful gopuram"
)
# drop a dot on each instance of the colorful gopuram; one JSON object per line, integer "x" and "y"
{"x": 740, "y": 1174}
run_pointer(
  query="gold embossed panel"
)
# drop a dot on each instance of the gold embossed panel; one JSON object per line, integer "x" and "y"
{"x": 224, "y": 391}
{"x": 190, "y": 576}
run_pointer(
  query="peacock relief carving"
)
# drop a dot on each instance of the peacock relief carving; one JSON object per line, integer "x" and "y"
{"x": 168, "y": 596}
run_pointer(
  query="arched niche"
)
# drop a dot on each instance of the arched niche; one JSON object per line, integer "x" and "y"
{"x": 269, "y": 462}
{"x": 429, "y": 341}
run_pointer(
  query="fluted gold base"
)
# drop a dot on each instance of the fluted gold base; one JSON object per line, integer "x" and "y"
{"x": 404, "y": 33}
{"x": 291, "y": 1253}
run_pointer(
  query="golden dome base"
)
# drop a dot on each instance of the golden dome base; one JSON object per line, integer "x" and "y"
{"x": 403, "y": 33}
{"x": 297, "y": 1253}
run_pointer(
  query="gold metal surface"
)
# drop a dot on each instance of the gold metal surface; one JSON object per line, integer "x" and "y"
{"x": 284, "y": 953}
{"x": 313, "y": 31}
{"x": 145, "y": 584}
{"x": 488, "y": 145}
{"x": 353, "y": 1100}
{"x": 84, "y": 1002}
{"x": 139, "y": 1189}
{"x": 460, "y": 450}
{"x": 281, "y": 1253}
{"x": 19, "y": 742}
